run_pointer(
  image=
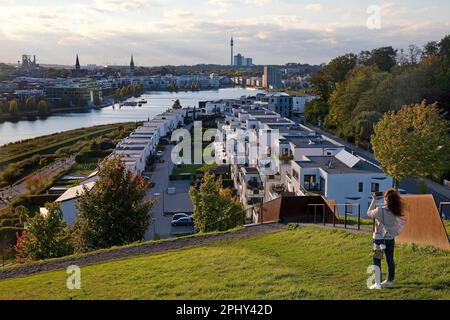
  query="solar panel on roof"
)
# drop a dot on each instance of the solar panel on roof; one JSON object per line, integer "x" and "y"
{"x": 347, "y": 158}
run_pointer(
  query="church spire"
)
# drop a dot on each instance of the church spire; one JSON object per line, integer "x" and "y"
{"x": 77, "y": 64}
{"x": 132, "y": 63}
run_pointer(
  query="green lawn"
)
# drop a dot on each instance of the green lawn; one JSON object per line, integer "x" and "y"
{"x": 306, "y": 263}
{"x": 192, "y": 168}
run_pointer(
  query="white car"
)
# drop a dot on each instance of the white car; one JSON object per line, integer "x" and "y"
{"x": 159, "y": 153}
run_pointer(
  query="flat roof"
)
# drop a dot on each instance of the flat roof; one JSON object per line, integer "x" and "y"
{"x": 250, "y": 170}
{"x": 337, "y": 167}
{"x": 311, "y": 142}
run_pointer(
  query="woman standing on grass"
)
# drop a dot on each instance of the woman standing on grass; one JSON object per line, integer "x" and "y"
{"x": 386, "y": 229}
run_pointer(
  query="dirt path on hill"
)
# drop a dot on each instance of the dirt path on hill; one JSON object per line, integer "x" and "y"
{"x": 145, "y": 249}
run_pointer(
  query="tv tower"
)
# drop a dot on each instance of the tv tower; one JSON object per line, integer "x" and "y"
{"x": 232, "y": 45}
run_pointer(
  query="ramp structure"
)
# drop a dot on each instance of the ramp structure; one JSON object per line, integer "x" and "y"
{"x": 305, "y": 209}
{"x": 423, "y": 223}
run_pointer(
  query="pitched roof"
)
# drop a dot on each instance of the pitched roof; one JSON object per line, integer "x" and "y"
{"x": 74, "y": 192}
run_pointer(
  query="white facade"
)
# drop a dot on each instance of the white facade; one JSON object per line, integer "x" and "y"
{"x": 214, "y": 107}
{"x": 298, "y": 103}
{"x": 68, "y": 202}
{"x": 335, "y": 180}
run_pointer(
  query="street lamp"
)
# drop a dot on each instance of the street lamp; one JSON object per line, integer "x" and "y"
{"x": 157, "y": 195}
{"x": 154, "y": 227}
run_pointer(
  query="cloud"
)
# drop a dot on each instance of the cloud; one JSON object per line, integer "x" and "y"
{"x": 314, "y": 7}
{"x": 180, "y": 32}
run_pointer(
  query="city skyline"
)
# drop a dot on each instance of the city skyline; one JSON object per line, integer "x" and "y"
{"x": 105, "y": 32}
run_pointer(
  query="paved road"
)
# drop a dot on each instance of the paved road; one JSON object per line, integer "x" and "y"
{"x": 411, "y": 185}
{"x": 19, "y": 189}
{"x": 167, "y": 203}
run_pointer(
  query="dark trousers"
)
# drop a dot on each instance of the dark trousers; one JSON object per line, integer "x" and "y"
{"x": 389, "y": 253}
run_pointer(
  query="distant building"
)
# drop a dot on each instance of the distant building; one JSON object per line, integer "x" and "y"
{"x": 299, "y": 102}
{"x": 241, "y": 61}
{"x": 279, "y": 102}
{"x": 78, "y": 72}
{"x": 272, "y": 77}
{"x": 215, "y": 80}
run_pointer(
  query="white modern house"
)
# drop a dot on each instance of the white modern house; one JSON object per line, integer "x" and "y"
{"x": 342, "y": 177}
{"x": 214, "y": 107}
{"x": 68, "y": 200}
{"x": 249, "y": 186}
{"x": 299, "y": 103}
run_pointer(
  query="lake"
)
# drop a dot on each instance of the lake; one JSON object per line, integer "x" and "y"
{"x": 158, "y": 102}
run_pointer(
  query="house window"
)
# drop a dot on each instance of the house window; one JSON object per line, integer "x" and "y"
{"x": 360, "y": 187}
{"x": 310, "y": 182}
{"x": 295, "y": 174}
{"x": 375, "y": 187}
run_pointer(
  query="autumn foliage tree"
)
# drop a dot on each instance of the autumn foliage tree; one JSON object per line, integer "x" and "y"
{"x": 45, "y": 237}
{"x": 413, "y": 142}
{"x": 114, "y": 212}
{"x": 214, "y": 207}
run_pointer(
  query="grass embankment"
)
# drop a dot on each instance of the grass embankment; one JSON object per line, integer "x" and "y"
{"x": 48, "y": 144}
{"x": 306, "y": 263}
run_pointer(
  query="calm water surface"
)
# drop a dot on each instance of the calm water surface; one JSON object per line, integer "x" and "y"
{"x": 157, "y": 102}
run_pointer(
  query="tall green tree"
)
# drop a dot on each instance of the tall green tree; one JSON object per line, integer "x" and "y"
{"x": 45, "y": 237}
{"x": 384, "y": 58}
{"x": 14, "y": 108}
{"x": 30, "y": 104}
{"x": 114, "y": 212}
{"x": 42, "y": 107}
{"x": 413, "y": 142}
{"x": 177, "y": 104}
{"x": 214, "y": 208}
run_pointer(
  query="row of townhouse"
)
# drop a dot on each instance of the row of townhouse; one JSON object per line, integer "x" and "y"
{"x": 271, "y": 156}
{"x": 134, "y": 151}
{"x": 143, "y": 142}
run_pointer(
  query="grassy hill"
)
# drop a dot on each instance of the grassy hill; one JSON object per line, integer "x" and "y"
{"x": 305, "y": 263}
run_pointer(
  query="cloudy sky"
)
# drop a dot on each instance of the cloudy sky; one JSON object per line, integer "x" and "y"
{"x": 161, "y": 32}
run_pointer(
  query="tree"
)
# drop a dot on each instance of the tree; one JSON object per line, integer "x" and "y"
{"x": 214, "y": 208}
{"x": 11, "y": 174}
{"x": 316, "y": 110}
{"x": 46, "y": 236}
{"x": 430, "y": 49}
{"x": 444, "y": 47}
{"x": 114, "y": 212}
{"x": 414, "y": 53}
{"x": 177, "y": 104}
{"x": 384, "y": 58}
{"x": 42, "y": 108}
{"x": 14, "y": 108}
{"x": 1, "y": 107}
{"x": 30, "y": 104}
{"x": 412, "y": 142}
{"x": 345, "y": 98}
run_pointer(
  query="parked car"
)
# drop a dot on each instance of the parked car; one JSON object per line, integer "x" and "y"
{"x": 159, "y": 153}
{"x": 183, "y": 222}
{"x": 180, "y": 215}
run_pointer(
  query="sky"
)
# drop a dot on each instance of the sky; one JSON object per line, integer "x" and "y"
{"x": 187, "y": 32}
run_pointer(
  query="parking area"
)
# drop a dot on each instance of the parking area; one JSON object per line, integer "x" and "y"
{"x": 172, "y": 197}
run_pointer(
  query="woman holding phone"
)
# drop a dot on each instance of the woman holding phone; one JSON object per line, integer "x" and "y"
{"x": 385, "y": 232}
